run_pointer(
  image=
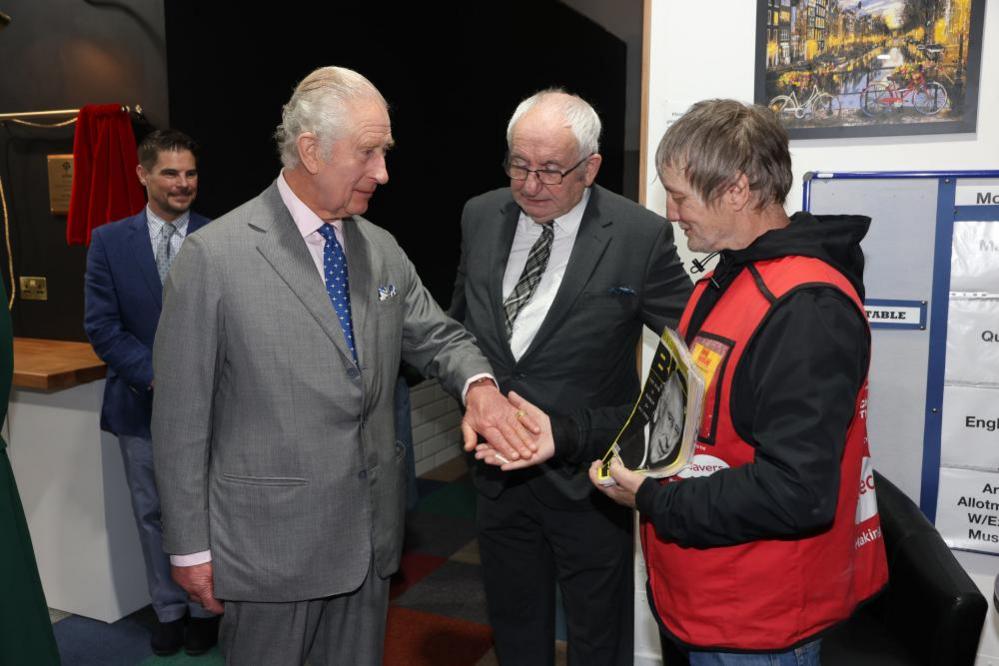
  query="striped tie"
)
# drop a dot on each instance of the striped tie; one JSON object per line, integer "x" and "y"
{"x": 537, "y": 260}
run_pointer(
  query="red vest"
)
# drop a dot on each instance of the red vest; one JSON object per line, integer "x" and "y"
{"x": 770, "y": 594}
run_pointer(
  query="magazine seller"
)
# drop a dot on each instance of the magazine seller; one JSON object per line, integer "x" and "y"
{"x": 762, "y": 553}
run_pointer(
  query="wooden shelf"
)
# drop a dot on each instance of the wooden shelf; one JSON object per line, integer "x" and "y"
{"x": 54, "y": 365}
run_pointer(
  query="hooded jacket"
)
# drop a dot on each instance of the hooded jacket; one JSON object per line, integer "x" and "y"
{"x": 791, "y": 488}
{"x": 798, "y": 463}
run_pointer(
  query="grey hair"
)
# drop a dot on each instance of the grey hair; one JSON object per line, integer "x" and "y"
{"x": 579, "y": 115}
{"x": 716, "y": 140}
{"x": 320, "y": 104}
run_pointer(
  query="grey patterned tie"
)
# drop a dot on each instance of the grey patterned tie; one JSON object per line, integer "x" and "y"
{"x": 537, "y": 260}
{"x": 164, "y": 255}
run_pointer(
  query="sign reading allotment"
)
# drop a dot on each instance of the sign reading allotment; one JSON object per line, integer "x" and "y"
{"x": 968, "y": 509}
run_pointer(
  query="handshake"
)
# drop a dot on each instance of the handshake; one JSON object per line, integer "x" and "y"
{"x": 518, "y": 434}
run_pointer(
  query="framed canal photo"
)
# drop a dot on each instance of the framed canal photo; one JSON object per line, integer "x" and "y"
{"x": 839, "y": 68}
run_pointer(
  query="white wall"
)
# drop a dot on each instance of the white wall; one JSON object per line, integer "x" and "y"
{"x": 705, "y": 50}
{"x": 436, "y": 426}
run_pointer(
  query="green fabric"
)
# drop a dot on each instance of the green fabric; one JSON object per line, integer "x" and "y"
{"x": 25, "y": 629}
{"x": 6, "y": 361}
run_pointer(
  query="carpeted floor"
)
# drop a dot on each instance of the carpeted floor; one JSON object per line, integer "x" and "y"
{"x": 437, "y": 615}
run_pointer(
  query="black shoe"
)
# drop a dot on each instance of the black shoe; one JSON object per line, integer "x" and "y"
{"x": 202, "y": 635}
{"x": 167, "y": 637}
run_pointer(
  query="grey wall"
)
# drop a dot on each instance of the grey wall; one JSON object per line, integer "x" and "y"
{"x": 67, "y": 53}
{"x": 59, "y": 54}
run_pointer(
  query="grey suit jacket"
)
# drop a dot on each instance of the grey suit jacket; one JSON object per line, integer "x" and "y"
{"x": 623, "y": 272}
{"x": 272, "y": 448}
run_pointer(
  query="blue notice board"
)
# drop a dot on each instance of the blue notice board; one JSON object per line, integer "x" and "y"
{"x": 928, "y": 420}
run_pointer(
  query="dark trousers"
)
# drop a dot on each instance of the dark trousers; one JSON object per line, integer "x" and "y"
{"x": 526, "y": 547}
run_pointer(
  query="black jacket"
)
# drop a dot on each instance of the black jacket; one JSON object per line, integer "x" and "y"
{"x": 624, "y": 273}
{"x": 793, "y": 397}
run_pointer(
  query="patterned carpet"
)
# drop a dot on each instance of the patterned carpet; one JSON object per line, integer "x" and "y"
{"x": 437, "y": 615}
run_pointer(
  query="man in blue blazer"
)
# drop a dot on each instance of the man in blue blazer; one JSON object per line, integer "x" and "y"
{"x": 126, "y": 265}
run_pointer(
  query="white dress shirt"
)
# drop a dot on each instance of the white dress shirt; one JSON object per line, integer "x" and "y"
{"x": 308, "y": 224}
{"x": 565, "y": 228}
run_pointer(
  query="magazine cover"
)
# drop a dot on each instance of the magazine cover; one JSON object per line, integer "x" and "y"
{"x": 670, "y": 405}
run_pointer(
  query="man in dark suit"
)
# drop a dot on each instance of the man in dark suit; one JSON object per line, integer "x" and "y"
{"x": 557, "y": 278}
{"x": 126, "y": 265}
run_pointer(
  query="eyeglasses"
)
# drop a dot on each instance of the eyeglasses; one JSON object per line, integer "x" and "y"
{"x": 545, "y": 176}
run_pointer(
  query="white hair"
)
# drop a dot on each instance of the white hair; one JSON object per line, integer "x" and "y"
{"x": 320, "y": 105}
{"x": 579, "y": 115}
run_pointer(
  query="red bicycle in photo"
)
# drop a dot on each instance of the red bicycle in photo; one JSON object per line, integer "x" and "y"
{"x": 926, "y": 97}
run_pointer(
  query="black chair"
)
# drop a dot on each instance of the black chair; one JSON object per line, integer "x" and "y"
{"x": 931, "y": 613}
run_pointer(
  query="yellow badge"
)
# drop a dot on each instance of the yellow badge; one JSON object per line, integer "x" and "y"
{"x": 707, "y": 360}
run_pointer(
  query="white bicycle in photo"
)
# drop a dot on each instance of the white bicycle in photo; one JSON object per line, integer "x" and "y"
{"x": 819, "y": 105}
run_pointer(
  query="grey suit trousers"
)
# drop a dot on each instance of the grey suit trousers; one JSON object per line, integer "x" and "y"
{"x": 170, "y": 602}
{"x": 342, "y": 629}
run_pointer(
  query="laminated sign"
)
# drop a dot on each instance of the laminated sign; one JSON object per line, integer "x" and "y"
{"x": 973, "y": 341}
{"x": 968, "y": 509}
{"x": 974, "y": 258}
{"x": 970, "y": 427}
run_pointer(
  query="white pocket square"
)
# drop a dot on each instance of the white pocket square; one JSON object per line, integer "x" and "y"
{"x": 386, "y": 292}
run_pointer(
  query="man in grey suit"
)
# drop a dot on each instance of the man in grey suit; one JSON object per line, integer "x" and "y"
{"x": 557, "y": 278}
{"x": 276, "y": 359}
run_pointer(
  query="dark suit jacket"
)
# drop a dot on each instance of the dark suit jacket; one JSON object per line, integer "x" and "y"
{"x": 123, "y": 297}
{"x": 623, "y": 272}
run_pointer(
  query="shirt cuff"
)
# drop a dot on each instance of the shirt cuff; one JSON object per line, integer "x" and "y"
{"x": 191, "y": 559}
{"x": 473, "y": 379}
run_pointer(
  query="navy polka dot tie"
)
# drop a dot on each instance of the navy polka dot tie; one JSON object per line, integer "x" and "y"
{"x": 337, "y": 285}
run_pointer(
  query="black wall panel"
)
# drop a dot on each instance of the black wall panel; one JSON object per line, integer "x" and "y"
{"x": 452, "y": 74}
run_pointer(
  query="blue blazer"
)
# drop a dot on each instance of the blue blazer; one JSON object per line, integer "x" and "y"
{"x": 123, "y": 298}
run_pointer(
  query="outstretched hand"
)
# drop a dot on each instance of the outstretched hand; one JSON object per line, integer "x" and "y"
{"x": 506, "y": 428}
{"x": 544, "y": 440}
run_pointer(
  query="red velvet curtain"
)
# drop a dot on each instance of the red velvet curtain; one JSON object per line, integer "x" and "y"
{"x": 105, "y": 187}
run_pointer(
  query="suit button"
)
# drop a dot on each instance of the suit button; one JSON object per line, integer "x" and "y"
{"x": 363, "y": 474}
{"x": 353, "y": 373}
{"x": 519, "y": 375}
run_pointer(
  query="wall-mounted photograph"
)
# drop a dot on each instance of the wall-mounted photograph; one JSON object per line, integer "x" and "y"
{"x": 838, "y": 68}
